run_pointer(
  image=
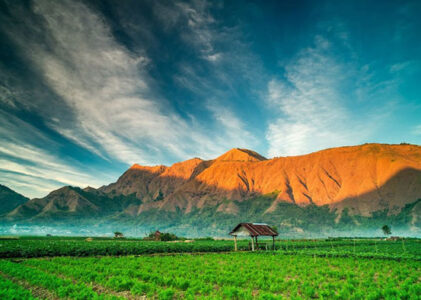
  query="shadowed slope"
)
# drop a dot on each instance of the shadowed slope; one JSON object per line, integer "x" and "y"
{"x": 71, "y": 202}
{"x": 9, "y": 199}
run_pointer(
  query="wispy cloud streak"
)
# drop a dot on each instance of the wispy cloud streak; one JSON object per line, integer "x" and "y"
{"x": 103, "y": 98}
{"x": 312, "y": 107}
{"x": 118, "y": 115}
{"x": 23, "y": 164}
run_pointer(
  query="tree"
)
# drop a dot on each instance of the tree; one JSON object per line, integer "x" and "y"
{"x": 386, "y": 230}
{"x": 168, "y": 237}
{"x": 118, "y": 234}
{"x": 162, "y": 236}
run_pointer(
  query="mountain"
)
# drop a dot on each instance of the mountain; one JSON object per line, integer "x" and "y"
{"x": 70, "y": 202}
{"x": 345, "y": 188}
{"x": 9, "y": 199}
{"x": 363, "y": 179}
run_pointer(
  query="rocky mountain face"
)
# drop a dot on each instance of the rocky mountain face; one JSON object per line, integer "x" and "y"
{"x": 364, "y": 179}
{"x": 346, "y": 184}
{"x": 9, "y": 199}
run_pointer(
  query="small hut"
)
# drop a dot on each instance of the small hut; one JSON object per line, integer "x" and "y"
{"x": 253, "y": 230}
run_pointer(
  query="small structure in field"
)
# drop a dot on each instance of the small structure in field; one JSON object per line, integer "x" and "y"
{"x": 157, "y": 235}
{"x": 253, "y": 230}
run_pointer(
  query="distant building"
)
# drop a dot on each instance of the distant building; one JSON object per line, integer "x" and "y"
{"x": 253, "y": 230}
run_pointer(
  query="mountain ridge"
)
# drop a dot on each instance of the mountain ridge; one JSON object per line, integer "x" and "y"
{"x": 303, "y": 180}
{"x": 354, "y": 182}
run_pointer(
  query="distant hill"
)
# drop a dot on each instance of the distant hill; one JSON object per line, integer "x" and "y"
{"x": 69, "y": 203}
{"x": 345, "y": 188}
{"x": 9, "y": 199}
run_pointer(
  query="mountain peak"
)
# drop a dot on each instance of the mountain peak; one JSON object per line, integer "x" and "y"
{"x": 64, "y": 190}
{"x": 90, "y": 189}
{"x": 238, "y": 154}
{"x": 152, "y": 169}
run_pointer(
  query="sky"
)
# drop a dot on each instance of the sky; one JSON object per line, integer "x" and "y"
{"x": 88, "y": 88}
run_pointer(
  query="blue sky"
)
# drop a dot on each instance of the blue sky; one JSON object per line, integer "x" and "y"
{"x": 90, "y": 87}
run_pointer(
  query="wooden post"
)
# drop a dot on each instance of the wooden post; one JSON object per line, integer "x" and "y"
{"x": 235, "y": 243}
{"x": 273, "y": 242}
{"x": 257, "y": 244}
{"x": 252, "y": 244}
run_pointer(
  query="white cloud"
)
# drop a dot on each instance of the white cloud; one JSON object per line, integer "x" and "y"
{"x": 101, "y": 81}
{"x": 234, "y": 134}
{"x": 23, "y": 165}
{"x": 200, "y": 23}
{"x": 214, "y": 57}
{"x": 28, "y": 186}
{"x": 311, "y": 107}
{"x": 105, "y": 103}
{"x": 29, "y": 158}
{"x": 116, "y": 113}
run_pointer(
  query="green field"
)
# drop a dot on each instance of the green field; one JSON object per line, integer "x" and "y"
{"x": 72, "y": 246}
{"x": 324, "y": 269}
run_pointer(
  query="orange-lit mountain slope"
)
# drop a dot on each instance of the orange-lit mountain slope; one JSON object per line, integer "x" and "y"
{"x": 364, "y": 178}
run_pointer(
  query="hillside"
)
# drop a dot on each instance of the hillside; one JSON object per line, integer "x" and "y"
{"x": 9, "y": 199}
{"x": 363, "y": 178}
{"x": 70, "y": 202}
{"x": 347, "y": 187}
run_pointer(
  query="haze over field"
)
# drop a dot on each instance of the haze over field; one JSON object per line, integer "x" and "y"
{"x": 123, "y": 114}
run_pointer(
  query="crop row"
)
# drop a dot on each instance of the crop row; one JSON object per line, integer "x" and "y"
{"x": 41, "y": 248}
{"x": 77, "y": 247}
{"x": 12, "y": 291}
{"x": 243, "y": 276}
{"x": 63, "y": 288}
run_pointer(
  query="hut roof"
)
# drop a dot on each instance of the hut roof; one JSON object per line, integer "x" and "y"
{"x": 255, "y": 229}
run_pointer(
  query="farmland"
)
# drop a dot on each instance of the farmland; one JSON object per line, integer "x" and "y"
{"x": 325, "y": 269}
{"x": 57, "y": 246}
{"x": 34, "y": 247}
